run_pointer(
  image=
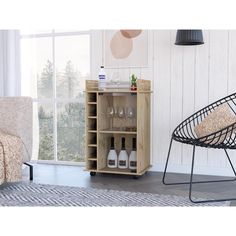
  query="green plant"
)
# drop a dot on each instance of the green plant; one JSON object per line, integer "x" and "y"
{"x": 133, "y": 79}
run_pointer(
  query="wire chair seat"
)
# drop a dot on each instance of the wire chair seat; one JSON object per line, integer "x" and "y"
{"x": 222, "y": 139}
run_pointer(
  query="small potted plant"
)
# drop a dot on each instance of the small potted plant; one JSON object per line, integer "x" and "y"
{"x": 133, "y": 82}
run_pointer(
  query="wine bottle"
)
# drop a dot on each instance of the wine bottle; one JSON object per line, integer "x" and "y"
{"x": 112, "y": 155}
{"x": 133, "y": 156}
{"x": 123, "y": 156}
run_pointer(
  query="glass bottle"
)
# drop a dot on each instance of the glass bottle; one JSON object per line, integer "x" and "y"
{"x": 112, "y": 155}
{"x": 123, "y": 156}
{"x": 133, "y": 156}
{"x": 102, "y": 79}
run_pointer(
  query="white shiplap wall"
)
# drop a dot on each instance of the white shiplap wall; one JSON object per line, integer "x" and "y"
{"x": 184, "y": 79}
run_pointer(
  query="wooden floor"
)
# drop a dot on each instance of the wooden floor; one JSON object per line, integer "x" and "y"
{"x": 150, "y": 182}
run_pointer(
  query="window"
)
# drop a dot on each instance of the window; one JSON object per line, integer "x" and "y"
{"x": 55, "y": 65}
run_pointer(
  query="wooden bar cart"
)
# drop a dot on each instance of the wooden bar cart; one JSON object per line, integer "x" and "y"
{"x": 100, "y": 128}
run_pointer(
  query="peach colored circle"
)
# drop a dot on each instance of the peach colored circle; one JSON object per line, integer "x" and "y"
{"x": 121, "y": 47}
{"x": 130, "y": 33}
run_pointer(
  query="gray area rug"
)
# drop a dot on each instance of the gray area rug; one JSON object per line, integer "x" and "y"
{"x": 31, "y": 194}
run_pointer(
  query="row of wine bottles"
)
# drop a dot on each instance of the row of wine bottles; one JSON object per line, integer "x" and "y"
{"x": 122, "y": 161}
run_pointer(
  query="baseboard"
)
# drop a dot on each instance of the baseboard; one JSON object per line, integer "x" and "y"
{"x": 203, "y": 170}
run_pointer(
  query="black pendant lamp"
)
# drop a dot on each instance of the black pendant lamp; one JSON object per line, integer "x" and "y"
{"x": 189, "y": 37}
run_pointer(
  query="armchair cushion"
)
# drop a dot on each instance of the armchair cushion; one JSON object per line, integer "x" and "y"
{"x": 11, "y": 157}
{"x": 217, "y": 120}
{"x": 16, "y": 120}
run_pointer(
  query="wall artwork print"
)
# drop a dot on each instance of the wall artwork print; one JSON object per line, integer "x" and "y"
{"x": 126, "y": 48}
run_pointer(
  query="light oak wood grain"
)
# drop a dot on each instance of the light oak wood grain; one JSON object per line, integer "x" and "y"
{"x": 97, "y": 151}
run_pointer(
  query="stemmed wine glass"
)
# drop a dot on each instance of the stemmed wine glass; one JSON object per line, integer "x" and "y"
{"x": 130, "y": 114}
{"x": 110, "y": 114}
{"x": 121, "y": 113}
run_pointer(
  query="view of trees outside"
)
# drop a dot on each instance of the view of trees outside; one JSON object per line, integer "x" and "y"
{"x": 45, "y": 81}
{"x": 70, "y": 132}
{"x": 70, "y": 116}
{"x": 46, "y": 147}
{"x": 59, "y": 124}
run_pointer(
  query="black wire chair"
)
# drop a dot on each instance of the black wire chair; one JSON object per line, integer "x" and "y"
{"x": 222, "y": 139}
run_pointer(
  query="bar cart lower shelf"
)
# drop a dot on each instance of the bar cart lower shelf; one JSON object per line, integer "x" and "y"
{"x": 118, "y": 172}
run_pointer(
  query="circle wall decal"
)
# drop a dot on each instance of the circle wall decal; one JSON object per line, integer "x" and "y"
{"x": 131, "y": 33}
{"x": 121, "y": 47}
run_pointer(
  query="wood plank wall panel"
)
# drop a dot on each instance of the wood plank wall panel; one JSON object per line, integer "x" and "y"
{"x": 176, "y": 112}
{"x": 162, "y": 98}
{"x": 184, "y": 79}
{"x": 188, "y": 92}
{"x": 96, "y": 45}
{"x": 201, "y": 85}
{"x": 218, "y": 73}
{"x": 232, "y": 62}
{"x": 232, "y": 74}
{"x": 2, "y": 69}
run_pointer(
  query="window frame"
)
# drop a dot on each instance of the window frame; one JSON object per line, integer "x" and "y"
{"x": 54, "y": 100}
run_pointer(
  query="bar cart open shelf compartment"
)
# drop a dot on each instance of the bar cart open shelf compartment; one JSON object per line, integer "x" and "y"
{"x": 100, "y": 126}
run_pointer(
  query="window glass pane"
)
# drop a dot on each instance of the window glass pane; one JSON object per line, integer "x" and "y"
{"x": 72, "y": 67}
{"x": 70, "y": 131}
{"x": 45, "y": 114}
{"x": 37, "y": 67}
{"x": 72, "y": 60}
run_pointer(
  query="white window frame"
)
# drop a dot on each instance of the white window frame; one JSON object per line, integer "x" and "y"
{"x": 54, "y": 99}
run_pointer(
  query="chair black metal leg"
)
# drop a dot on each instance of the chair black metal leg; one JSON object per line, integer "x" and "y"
{"x": 31, "y": 171}
{"x": 191, "y": 182}
{"x": 167, "y": 160}
{"x": 191, "y": 176}
{"x": 230, "y": 162}
{"x": 195, "y": 182}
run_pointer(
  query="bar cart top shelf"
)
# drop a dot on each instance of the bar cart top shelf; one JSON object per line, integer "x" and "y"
{"x": 143, "y": 86}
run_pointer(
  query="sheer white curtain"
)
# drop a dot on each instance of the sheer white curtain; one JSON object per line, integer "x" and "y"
{"x": 10, "y": 63}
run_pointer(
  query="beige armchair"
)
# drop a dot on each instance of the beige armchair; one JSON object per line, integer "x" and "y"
{"x": 16, "y": 119}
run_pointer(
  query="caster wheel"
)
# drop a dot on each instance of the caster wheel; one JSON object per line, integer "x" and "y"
{"x": 135, "y": 177}
{"x": 92, "y": 173}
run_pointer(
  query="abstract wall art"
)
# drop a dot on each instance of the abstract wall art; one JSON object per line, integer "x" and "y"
{"x": 126, "y": 48}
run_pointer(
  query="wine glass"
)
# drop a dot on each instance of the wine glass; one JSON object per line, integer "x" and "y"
{"x": 115, "y": 112}
{"x": 130, "y": 112}
{"x": 121, "y": 112}
{"x": 110, "y": 114}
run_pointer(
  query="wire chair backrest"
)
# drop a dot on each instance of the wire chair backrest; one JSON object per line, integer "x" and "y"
{"x": 185, "y": 129}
